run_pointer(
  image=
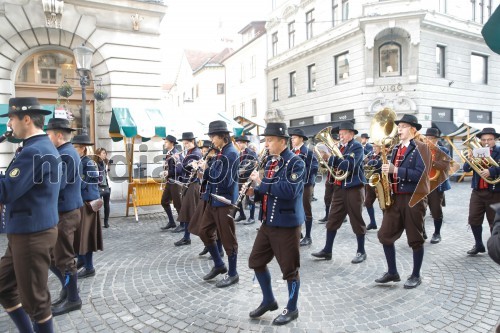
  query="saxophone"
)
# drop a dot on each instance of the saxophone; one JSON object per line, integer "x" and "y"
{"x": 383, "y": 131}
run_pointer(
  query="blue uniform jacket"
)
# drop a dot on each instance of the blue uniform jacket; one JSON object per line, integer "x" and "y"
{"x": 367, "y": 149}
{"x": 173, "y": 163}
{"x": 90, "y": 180}
{"x": 70, "y": 195}
{"x": 494, "y": 172}
{"x": 221, "y": 176}
{"x": 352, "y": 163}
{"x": 410, "y": 169}
{"x": 284, "y": 191}
{"x": 184, "y": 169}
{"x": 248, "y": 158}
{"x": 444, "y": 186}
{"x": 312, "y": 165}
{"x": 30, "y": 187}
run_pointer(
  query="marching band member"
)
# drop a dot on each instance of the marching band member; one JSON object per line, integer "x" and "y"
{"x": 172, "y": 191}
{"x": 70, "y": 201}
{"x": 435, "y": 199}
{"x": 282, "y": 215}
{"x": 31, "y": 218}
{"x": 329, "y": 183}
{"x": 373, "y": 161}
{"x": 191, "y": 196}
{"x": 247, "y": 160}
{"x": 405, "y": 169}
{"x": 483, "y": 194}
{"x": 298, "y": 138}
{"x": 367, "y": 147}
{"x": 221, "y": 178}
{"x": 348, "y": 194}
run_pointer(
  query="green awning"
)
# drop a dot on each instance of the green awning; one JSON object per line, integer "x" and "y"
{"x": 137, "y": 123}
{"x": 491, "y": 31}
{"x": 4, "y": 108}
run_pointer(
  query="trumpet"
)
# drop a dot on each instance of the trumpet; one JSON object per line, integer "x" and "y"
{"x": 261, "y": 162}
{"x": 5, "y": 136}
{"x": 325, "y": 137}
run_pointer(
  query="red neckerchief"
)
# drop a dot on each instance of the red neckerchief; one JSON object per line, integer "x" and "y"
{"x": 338, "y": 182}
{"x": 483, "y": 185}
{"x": 270, "y": 173}
{"x": 397, "y": 162}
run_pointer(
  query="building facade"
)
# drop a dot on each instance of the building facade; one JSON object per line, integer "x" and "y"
{"x": 337, "y": 60}
{"x": 246, "y": 80}
{"x": 36, "y": 57}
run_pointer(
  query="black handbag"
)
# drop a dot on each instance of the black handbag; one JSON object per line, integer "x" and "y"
{"x": 104, "y": 190}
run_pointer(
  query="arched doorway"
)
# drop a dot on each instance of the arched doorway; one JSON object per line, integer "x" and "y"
{"x": 42, "y": 73}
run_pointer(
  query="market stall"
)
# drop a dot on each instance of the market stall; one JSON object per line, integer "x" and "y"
{"x": 135, "y": 126}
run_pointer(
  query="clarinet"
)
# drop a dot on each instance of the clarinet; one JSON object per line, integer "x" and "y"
{"x": 5, "y": 136}
{"x": 261, "y": 162}
{"x": 195, "y": 171}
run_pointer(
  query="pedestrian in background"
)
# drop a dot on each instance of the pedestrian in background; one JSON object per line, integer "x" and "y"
{"x": 101, "y": 158}
{"x": 90, "y": 239}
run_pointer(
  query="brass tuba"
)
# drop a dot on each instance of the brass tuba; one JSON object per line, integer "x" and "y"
{"x": 325, "y": 137}
{"x": 383, "y": 131}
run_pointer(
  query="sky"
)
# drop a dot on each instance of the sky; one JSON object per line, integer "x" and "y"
{"x": 198, "y": 24}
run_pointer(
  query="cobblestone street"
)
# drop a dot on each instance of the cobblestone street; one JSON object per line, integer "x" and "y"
{"x": 146, "y": 284}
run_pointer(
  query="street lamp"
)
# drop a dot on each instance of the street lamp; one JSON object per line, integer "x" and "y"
{"x": 83, "y": 57}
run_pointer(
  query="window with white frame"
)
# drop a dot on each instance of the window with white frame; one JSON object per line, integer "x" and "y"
{"x": 220, "y": 88}
{"x": 442, "y": 6}
{"x": 341, "y": 67}
{"x": 345, "y": 10}
{"x": 309, "y": 24}
{"x": 440, "y": 60}
{"x": 311, "y": 77}
{"x": 390, "y": 59}
{"x": 275, "y": 90}
{"x": 254, "y": 107}
{"x": 242, "y": 109}
{"x": 483, "y": 117}
{"x": 335, "y": 8}
{"x": 242, "y": 72}
{"x": 293, "y": 86}
{"x": 478, "y": 68}
{"x": 275, "y": 44}
{"x": 253, "y": 64}
{"x": 291, "y": 34}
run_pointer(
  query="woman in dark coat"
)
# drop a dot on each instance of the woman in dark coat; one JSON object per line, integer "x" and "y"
{"x": 104, "y": 189}
{"x": 90, "y": 227}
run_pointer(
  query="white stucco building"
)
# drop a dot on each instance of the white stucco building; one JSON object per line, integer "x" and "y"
{"x": 36, "y": 57}
{"x": 334, "y": 60}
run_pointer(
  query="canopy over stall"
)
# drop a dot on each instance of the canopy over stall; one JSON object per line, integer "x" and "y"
{"x": 250, "y": 125}
{"x": 135, "y": 126}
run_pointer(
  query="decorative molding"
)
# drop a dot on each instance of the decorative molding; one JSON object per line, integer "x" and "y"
{"x": 399, "y": 103}
{"x": 305, "y": 3}
{"x": 289, "y": 11}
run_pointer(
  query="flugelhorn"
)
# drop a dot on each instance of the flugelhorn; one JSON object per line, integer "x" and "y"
{"x": 325, "y": 137}
{"x": 5, "y": 136}
{"x": 478, "y": 164}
